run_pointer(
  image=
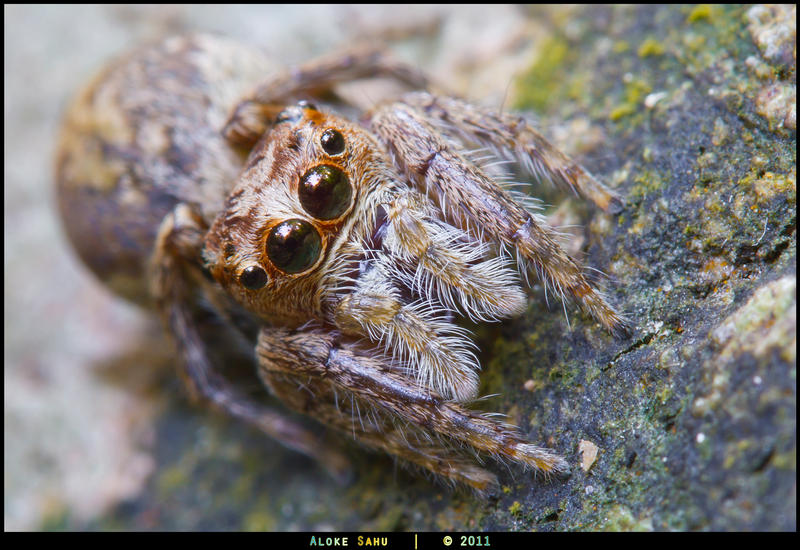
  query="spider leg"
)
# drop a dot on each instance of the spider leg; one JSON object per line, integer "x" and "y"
{"x": 374, "y": 428}
{"x": 449, "y": 265}
{"x": 349, "y": 370}
{"x": 175, "y": 275}
{"x": 513, "y": 138}
{"x": 449, "y": 271}
{"x": 254, "y": 115}
{"x": 470, "y": 199}
{"x": 428, "y": 344}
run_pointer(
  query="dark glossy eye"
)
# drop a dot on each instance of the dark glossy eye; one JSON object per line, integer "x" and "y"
{"x": 293, "y": 246}
{"x": 253, "y": 277}
{"x": 325, "y": 192}
{"x": 332, "y": 142}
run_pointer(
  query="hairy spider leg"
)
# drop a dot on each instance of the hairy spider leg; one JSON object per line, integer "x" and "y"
{"x": 178, "y": 248}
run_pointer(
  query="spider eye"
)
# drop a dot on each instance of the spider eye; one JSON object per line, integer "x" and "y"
{"x": 253, "y": 277}
{"x": 293, "y": 246}
{"x": 325, "y": 192}
{"x": 332, "y": 142}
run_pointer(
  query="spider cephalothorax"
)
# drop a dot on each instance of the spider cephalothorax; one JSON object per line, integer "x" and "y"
{"x": 351, "y": 247}
{"x": 322, "y": 213}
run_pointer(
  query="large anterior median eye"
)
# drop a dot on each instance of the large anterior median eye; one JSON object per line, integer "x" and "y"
{"x": 325, "y": 192}
{"x": 294, "y": 246}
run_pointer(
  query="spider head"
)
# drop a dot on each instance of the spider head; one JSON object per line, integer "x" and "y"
{"x": 307, "y": 190}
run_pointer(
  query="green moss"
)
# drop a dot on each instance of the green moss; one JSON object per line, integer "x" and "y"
{"x": 694, "y": 42}
{"x": 541, "y": 84}
{"x": 621, "y": 111}
{"x": 767, "y": 185}
{"x": 515, "y": 509}
{"x": 390, "y": 518}
{"x": 172, "y": 478}
{"x": 259, "y": 520}
{"x": 620, "y": 518}
{"x": 786, "y": 461}
{"x": 635, "y": 91}
{"x": 502, "y": 357}
{"x": 649, "y": 47}
{"x": 646, "y": 183}
{"x": 699, "y": 13}
{"x": 721, "y": 37}
{"x": 664, "y": 394}
{"x": 621, "y": 46}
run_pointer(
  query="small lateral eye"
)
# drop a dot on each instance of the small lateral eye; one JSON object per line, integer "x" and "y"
{"x": 294, "y": 245}
{"x": 325, "y": 192}
{"x": 253, "y": 277}
{"x": 332, "y": 142}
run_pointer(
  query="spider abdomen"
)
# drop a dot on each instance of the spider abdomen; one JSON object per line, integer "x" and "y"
{"x": 144, "y": 135}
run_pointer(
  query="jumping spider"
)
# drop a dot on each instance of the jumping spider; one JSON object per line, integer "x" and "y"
{"x": 342, "y": 250}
